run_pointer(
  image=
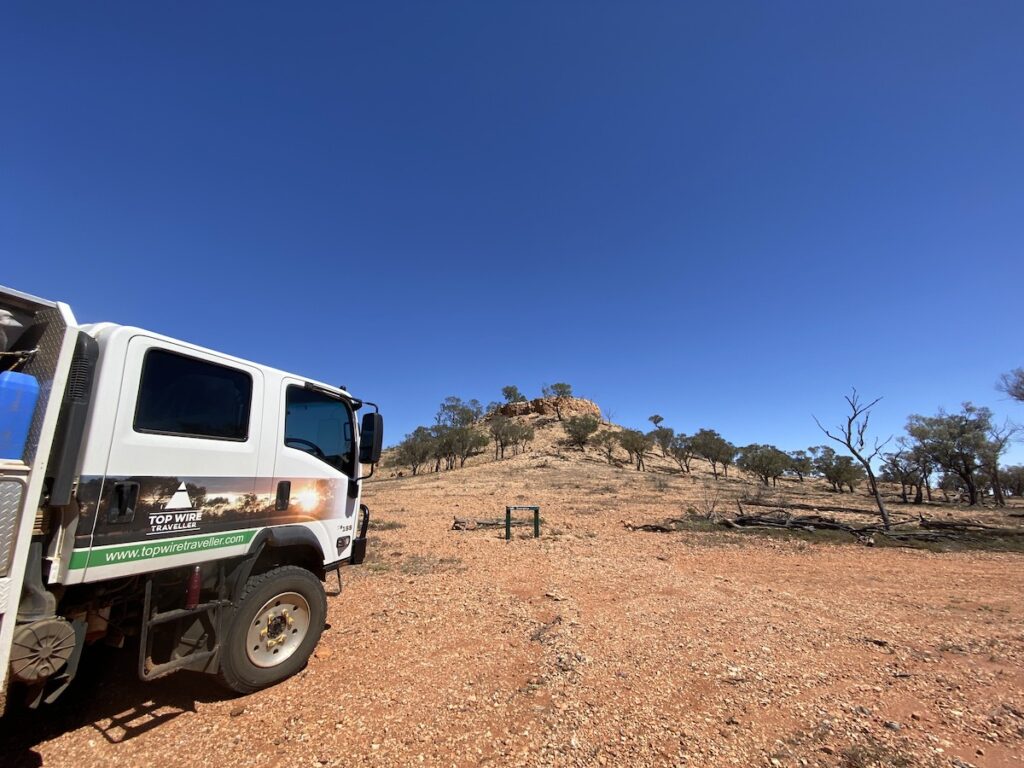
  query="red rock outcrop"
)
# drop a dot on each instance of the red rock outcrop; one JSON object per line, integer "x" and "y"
{"x": 549, "y": 406}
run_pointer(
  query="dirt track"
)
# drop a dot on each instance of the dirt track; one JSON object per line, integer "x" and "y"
{"x": 596, "y": 646}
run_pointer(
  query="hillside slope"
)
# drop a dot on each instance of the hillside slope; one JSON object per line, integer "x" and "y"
{"x": 664, "y": 489}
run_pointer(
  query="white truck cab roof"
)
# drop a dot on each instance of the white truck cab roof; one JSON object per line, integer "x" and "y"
{"x": 107, "y": 333}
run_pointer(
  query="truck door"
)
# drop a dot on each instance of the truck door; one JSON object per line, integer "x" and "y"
{"x": 183, "y": 458}
{"x": 314, "y": 462}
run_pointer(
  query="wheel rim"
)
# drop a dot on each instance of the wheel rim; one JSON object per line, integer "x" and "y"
{"x": 277, "y": 630}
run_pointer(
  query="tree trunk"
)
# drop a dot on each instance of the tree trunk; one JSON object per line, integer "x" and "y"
{"x": 997, "y": 489}
{"x": 972, "y": 488}
{"x": 878, "y": 497}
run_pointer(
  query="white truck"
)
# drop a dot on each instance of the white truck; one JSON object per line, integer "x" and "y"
{"x": 155, "y": 490}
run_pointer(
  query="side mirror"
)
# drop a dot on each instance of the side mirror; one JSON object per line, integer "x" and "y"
{"x": 371, "y": 437}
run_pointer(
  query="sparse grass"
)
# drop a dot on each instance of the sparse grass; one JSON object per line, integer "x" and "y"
{"x": 985, "y": 541}
{"x": 696, "y": 522}
{"x": 873, "y": 754}
{"x": 660, "y": 483}
{"x": 420, "y": 565}
{"x": 385, "y": 525}
{"x": 710, "y": 497}
{"x": 409, "y": 565}
{"x": 759, "y": 494}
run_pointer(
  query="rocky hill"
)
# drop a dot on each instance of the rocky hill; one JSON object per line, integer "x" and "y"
{"x": 567, "y": 407}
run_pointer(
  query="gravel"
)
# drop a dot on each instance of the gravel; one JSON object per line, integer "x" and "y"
{"x": 594, "y": 645}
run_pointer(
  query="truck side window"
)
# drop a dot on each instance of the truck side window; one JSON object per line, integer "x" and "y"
{"x": 320, "y": 425}
{"x": 182, "y": 395}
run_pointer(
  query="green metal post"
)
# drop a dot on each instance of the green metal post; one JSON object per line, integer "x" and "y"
{"x": 536, "y": 522}
{"x": 508, "y": 523}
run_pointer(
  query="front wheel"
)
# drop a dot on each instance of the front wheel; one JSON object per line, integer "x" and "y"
{"x": 276, "y": 625}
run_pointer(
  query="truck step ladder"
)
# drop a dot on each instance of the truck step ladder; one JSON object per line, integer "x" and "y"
{"x": 213, "y": 613}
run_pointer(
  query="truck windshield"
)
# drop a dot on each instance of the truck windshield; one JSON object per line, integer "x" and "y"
{"x": 319, "y": 425}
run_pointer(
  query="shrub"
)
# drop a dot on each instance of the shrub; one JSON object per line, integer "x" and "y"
{"x": 580, "y": 428}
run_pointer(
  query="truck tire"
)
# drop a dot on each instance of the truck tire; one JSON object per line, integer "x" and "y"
{"x": 275, "y": 626}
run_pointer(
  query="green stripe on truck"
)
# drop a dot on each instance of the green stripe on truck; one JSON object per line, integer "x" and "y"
{"x": 145, "y": 550}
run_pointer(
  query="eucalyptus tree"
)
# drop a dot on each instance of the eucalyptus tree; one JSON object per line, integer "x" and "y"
{"x": 681, "y": 451}
{"x": 636, "y": 444}
{"x": 580, "y": 428}
{"x": 557, "y": 392}
{"x": 766, "y": 461}
{"x": 714, "y": 449}
{"x": 966, "y": 444}
{"x": 512, "y": 394}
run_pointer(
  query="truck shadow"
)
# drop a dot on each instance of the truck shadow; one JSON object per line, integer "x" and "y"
{"x": 109, "y": 700}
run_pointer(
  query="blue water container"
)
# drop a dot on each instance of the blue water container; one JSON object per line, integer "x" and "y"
{"x": 18, "y": 395}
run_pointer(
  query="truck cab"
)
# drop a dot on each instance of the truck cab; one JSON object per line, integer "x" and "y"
{"x": 195, "y": 499}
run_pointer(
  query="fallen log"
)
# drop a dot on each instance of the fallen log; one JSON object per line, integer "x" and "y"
{"x": 810, "y": 522}
{"x": 930, "y": 531}
{"x": 919, "y": 536}
{"x": 962, "y": 525}
{"x": 810, "y": 507}
{"x": 813, "y": 522}
{"x": 670, "y": 525}
{"x": 784, "y": 508}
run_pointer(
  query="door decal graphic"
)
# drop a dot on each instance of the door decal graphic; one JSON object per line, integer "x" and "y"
{"x": 176, "y": 506}
{"x": 177, "y": 516}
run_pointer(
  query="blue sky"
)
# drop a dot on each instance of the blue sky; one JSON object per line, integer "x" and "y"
{"x": 725, "y": 213}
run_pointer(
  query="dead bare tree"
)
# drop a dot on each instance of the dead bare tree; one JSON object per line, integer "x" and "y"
{"x": 707, "y": 504}
{"x": 853, "y": 436}
{"x": 1012, "y": 383}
